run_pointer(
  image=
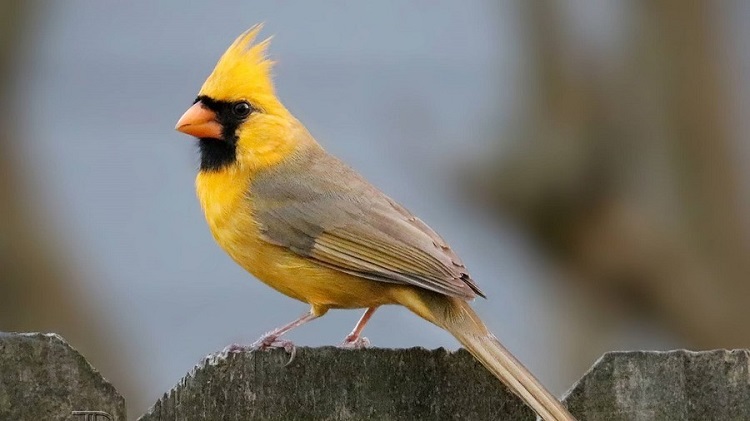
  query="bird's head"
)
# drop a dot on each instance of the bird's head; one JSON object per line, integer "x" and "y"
{"x": 237, "y": 117}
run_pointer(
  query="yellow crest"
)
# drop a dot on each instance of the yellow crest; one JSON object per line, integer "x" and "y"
{"x": 243, "y": 72}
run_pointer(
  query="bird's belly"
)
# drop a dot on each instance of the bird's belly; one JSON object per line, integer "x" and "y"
{"x": 297, "y": 276}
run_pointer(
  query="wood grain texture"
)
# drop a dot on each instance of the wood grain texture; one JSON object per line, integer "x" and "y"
{"x": 334, "y": 384}
{"x": 665, "y": 386}
{"x": 44, "y": 378}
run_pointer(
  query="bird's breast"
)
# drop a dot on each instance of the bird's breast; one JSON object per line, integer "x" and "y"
{"x": 228, "y": 206}
{"x": 229, "y": 213}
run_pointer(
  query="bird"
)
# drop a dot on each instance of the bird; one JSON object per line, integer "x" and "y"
{"x": 312, "y": 228}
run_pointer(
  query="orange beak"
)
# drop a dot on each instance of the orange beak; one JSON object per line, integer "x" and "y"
{"x": 200, "y": 122}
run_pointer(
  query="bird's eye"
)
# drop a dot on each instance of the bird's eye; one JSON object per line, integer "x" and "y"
{"x": 241, "y": 109}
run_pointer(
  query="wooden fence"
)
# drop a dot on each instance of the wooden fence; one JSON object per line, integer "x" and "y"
{"x": 43, "y": 378}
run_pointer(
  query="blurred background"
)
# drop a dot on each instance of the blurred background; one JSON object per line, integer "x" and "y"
{"x": 589, "y": 160}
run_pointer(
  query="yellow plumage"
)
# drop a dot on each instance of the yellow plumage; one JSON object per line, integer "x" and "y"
{"x": 313, "y": 229}
{"x": 244, "y": 71}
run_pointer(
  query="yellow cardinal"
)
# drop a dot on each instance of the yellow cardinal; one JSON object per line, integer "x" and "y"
{"x": 312, "y": 228}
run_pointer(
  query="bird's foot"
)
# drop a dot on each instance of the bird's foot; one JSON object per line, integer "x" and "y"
{"x": 355, "y": 342}
{"x": 271, "y": 341}
{"x": 264, "y": 343}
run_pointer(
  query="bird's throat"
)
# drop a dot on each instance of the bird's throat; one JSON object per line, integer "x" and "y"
{"x": 216, "y": 154}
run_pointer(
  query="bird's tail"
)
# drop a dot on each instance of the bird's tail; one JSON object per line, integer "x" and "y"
{"x": 457, "y": 317}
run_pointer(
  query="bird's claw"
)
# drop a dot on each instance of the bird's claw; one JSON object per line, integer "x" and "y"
{"x": 271, "y": 341}
{"x": 266, "y": 342}
{"x": 355, "y": 342}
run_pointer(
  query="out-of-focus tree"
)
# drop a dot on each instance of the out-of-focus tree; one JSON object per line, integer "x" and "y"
{"x": 37, "y": 292}
{"x": 622, "y": 169}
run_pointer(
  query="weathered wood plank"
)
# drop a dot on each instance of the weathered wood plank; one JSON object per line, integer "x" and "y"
{"x": 665, "y": 386}
{"x": 335, "y": 384}
{"x": 44, "y": 378}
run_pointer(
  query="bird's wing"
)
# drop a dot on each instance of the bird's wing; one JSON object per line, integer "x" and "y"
{"x": 337, "y": 219}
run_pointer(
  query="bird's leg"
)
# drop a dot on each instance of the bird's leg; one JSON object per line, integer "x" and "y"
{"x": 353, "y": 340}
{"x": 271, "y": 339}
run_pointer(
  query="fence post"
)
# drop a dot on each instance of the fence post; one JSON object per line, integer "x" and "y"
{"x": 44, "y": 378}
{"x": 675, "y": 385}
{"x": 334, "y": 384}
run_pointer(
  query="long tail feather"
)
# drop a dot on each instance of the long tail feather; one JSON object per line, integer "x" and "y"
{"x": 457, "y": 317}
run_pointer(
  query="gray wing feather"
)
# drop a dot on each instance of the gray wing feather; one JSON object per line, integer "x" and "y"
{"x": 333, "y": 216}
